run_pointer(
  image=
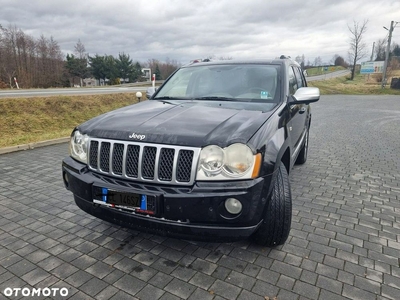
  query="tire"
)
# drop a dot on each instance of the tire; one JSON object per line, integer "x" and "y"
{"x": 302, "y": 158}
{"x": 275, "y": 228}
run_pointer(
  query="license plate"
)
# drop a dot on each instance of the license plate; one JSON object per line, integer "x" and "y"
{"x": 125, "y": 199}
{"x": 135, "y": 201}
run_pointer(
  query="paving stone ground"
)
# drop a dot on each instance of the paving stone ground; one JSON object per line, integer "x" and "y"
{"x": 344, "y": 242}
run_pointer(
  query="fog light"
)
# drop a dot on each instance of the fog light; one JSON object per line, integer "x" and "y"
{"x": 233, "y": 206}
{"x": 66, "y": 181}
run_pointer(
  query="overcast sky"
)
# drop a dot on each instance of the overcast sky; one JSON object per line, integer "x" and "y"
{"x": 184, "y": 30}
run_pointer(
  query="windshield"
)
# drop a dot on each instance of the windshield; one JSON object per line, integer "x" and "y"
{"x": 229, "y": 82}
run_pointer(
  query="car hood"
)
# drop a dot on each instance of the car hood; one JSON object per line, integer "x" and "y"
{"x": 194, "y": 124}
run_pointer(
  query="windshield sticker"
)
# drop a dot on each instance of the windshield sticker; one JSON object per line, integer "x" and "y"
{"x": 264, "y": 95}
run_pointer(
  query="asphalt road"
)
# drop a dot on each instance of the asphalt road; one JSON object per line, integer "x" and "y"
{"x": 329, "y": 75}
{"x": 69, "y": 91}
{"x": 344, "y": 242}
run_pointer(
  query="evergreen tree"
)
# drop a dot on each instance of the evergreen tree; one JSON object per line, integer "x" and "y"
{"x": 77, "y": 67}
{"x": 98, "y": 67}
{"x": 396, "y": 50}
{"x": 111, "y": 70}
{"x": 158, "y": 73}
{"x": 137, "y": 72}
{"x": 124, "y": 66}
{"x": 82, "y": 70}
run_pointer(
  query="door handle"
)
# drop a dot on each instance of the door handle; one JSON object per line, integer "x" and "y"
{"x": 302, "y": 110}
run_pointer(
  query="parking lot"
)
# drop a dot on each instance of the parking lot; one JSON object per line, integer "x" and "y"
{"x": 344, "y": 241}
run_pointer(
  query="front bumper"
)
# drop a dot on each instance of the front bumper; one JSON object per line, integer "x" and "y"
{"x": 196, "y": 212}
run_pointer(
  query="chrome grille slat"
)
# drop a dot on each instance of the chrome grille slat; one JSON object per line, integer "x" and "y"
{"x": 157, "y": 163}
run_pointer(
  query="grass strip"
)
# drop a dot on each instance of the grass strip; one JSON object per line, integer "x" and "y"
{"x": 34, "y": 119}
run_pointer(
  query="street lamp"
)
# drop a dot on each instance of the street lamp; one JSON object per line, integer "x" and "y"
{"x": 139, "y": 95}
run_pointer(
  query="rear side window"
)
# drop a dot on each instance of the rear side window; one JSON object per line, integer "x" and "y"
{"x": 296, "y": 79}
{"x": 299, "y": 78}
{"x": 293, "y": 85}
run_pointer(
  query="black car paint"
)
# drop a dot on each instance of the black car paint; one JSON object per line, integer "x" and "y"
{"x": 267, "y": 132}
{"x": 166, "y": 123}
{"x": 201, "y": 204}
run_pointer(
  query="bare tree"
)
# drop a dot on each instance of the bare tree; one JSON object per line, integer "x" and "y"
{"x": 380, "y": 49}
{"x": 318, "y": 61}
{"x": 8, "y": 55}
{"x": 80, "y": 50}
{"x": 34, "y": 62}
{"x": 164, "y": 68}
{"x": 42, "y": 57}
{"x": 298, "y": 59}
{"x": 357, "y": 45}
{"x": 301, "y": 60}
{"x": 81, "y": 61}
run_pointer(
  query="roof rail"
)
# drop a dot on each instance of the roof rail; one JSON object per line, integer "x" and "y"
{"x": 200, "y": 60}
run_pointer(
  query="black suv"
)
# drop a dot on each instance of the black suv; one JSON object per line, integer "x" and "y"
{"x": 207, "y": 157}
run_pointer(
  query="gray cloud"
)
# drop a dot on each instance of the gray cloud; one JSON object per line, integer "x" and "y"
{"x": 184, "y": 30}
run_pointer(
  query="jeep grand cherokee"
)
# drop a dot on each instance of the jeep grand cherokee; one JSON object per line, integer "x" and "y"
{"x": 207, "y": 157}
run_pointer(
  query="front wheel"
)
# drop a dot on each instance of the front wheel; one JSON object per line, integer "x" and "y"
{"x": 275, "y": 228}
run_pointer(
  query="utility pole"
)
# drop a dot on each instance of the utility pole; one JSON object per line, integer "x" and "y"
{"x": 372, "y": 54}
{"x": 372, "y": 57}
{"x": 384, "y": 79}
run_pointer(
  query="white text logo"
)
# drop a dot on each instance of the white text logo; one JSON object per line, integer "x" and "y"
{"x": 137, "y": 136}
{"x": 26, "y": 292}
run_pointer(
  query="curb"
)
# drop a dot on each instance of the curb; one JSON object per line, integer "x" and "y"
{"x": 33, "y": 145}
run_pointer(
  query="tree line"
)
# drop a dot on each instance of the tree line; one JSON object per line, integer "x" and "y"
{"x": 35, "y": 62}
{"x": 40, "y": 63}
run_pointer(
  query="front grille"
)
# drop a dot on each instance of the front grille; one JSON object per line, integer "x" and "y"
{"x": 144, "y": 162}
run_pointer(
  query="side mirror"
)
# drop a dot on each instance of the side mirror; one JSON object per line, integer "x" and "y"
{"x": 307, "y": 95}
{"x": 150, "y": 91}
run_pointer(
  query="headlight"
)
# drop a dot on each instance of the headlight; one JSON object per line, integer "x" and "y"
{"x": 212, "y": 159}
{"x": 239, "y": 159}
{"x": 234, "y": 162}
{"x": 78, "y": 146}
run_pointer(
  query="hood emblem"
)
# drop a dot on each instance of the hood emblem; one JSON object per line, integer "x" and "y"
{"x": 136, "y": 136}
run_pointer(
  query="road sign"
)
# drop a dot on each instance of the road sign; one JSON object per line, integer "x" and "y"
{"x": 371, "y": 67}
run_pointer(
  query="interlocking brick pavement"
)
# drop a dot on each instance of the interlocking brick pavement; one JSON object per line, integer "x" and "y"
{"x": 344, "y": 242}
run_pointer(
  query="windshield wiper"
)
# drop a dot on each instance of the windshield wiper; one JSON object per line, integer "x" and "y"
{"x": 170, "y": 98}
{"x": 215, "y": 98}
{"x": 162, "y": 99}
